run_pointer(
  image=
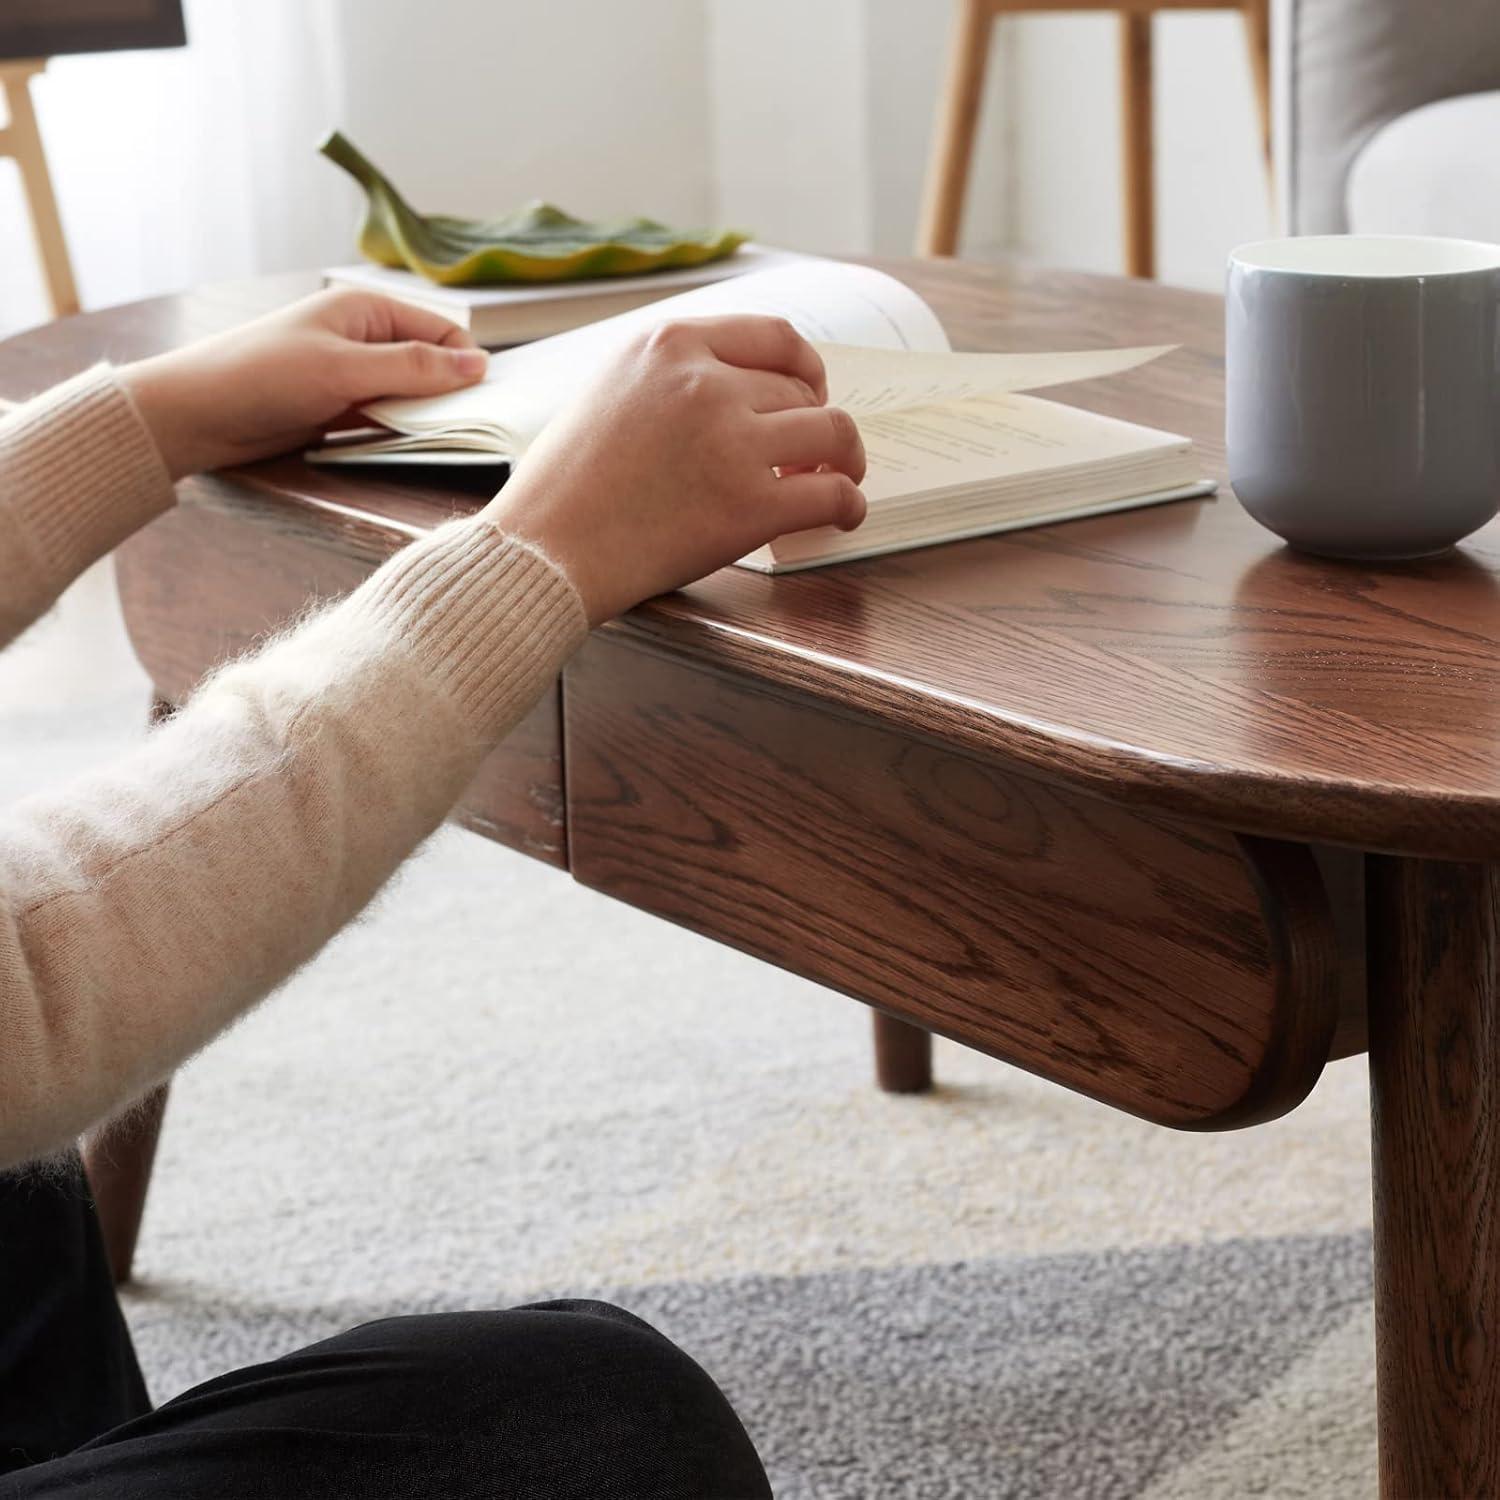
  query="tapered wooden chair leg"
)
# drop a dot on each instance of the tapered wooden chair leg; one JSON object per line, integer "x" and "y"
{"x": 903, "y": 1055}
{"x": 958, "y": 121}
{"x": 1138, "y": 143}
{"x": 1257, "y": 14}
{"x": 22, "y": 140}
{"x": 118, "y": 1158}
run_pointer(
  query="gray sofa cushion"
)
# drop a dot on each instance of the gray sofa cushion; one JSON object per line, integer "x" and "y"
{"x": 1434, "y": 171}
{"x": 1350, "y": 66}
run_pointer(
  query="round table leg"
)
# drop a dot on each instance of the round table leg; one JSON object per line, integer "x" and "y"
{"x": 117, "y": 1159}
{"x": 1434, "y": 1051}
{"x": 903, "y": 1055}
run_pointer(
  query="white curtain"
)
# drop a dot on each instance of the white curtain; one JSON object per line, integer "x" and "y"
{"x": 182, "y": 166}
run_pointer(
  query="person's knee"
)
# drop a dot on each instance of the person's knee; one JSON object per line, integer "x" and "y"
{"x": 575, "y": 1386}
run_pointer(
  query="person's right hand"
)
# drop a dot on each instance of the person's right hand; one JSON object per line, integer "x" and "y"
{"x": 698, "y": 444}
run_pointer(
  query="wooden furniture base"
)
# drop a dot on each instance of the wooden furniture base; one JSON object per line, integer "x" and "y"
{"x": 1076, "y": 939}
{"x": 23, "y": 141}
{"x": 1435, "y": 1096}
{"x": 117, "y": 1159}
{"x": 1103, "y": 799}
{"x": 903, "y": 1055}
{"x": 959, "y": 110}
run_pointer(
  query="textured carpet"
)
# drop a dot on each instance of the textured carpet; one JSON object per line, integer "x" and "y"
{"x": 500, "y": 1086}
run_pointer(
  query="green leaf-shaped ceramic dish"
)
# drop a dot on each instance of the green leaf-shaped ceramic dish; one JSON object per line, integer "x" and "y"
{"x": 538, "y": 243}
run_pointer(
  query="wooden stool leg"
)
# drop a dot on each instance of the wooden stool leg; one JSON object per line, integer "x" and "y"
{"x": 903, "y": 1055}
{"x": 1257, "y": 14}
{"x": 1138, "y": 143}
{"x": 23, "y": 141}
{"x": 953, "y": 149}
{"x": 118, "y": 1158}
{"x": 1435, "y": 1097}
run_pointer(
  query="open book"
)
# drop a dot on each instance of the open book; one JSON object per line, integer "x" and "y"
{"x": 954, "y": 448}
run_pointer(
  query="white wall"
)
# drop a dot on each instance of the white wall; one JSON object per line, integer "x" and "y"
{"x": 181, "y": 166}
{"x": 906, "y": 63}
{"x": 821, "y": 120}
{"x": 478, "y": 105}
{"x": 789, "y": 120}
{"x": 1212, "y": 190}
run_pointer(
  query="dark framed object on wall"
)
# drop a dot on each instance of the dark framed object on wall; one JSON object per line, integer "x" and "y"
{"x": 50, "y": 28}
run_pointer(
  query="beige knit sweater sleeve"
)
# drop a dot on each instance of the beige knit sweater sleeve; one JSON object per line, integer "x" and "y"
{"x": 145, "y": 907}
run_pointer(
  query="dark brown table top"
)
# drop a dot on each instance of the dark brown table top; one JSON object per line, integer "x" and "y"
{"x": 1177, "y": 657}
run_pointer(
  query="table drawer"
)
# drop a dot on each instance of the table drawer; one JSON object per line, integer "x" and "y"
{"x": 1181, "y": 973}
{"x": 204, "y": 583}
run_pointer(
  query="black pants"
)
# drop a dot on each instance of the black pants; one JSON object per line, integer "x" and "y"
{"x": 559, "y": 1400}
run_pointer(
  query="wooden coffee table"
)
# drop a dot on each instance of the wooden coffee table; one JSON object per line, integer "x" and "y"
{"x": 1109, "y": 800}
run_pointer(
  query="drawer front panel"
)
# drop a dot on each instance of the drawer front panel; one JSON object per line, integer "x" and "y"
{"x": 1179, "y": 973}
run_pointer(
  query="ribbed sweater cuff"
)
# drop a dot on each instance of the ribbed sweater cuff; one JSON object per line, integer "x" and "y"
{"x": 83, "y": 471}
{"x": 489, "y": 617}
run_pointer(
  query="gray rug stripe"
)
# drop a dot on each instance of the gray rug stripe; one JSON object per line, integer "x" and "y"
{"x": 1083, "y": 1375}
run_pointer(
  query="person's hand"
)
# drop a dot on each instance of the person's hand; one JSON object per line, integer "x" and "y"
{"x": 698, "y": 444}
{"x": 278, "y": 383}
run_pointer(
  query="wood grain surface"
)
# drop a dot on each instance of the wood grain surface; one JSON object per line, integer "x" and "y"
{"x": 1178, "y": 658}
{"x": 1434, "y": 1040}
{"x": 1130, "y": 957}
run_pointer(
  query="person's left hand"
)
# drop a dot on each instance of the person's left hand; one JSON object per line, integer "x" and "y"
{"x": 278, "y": 383}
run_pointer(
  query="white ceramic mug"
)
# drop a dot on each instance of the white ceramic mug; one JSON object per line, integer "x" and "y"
{"x": 1363, "y": 390}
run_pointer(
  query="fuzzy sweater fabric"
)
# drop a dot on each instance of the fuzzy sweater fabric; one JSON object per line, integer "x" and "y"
{"x": 143, "y": 908}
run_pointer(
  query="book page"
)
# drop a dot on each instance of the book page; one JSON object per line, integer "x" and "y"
{"x": 867, "y": 381}
{"x": 987, "y": 439}
{"x": 826, "y": 301}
